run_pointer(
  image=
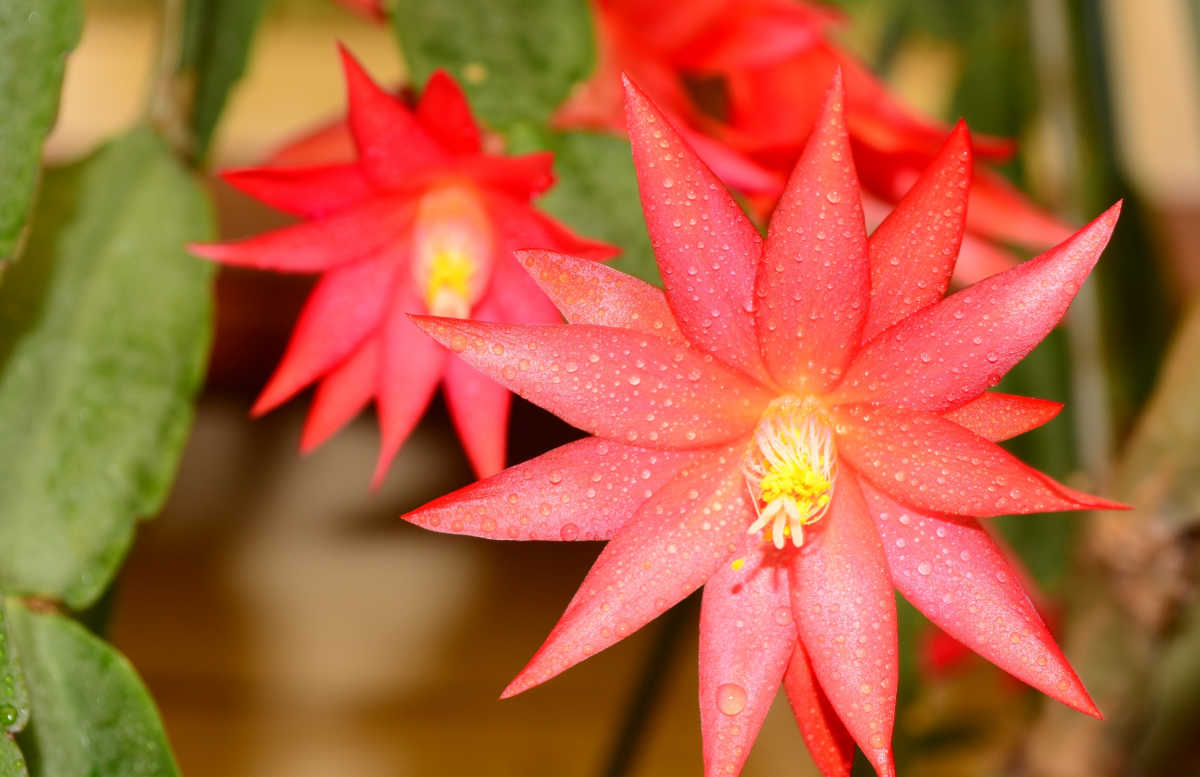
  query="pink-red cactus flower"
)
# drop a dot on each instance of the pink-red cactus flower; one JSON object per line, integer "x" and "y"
{"x": 420, "y": 222}
{"x": 799, "y": 424}
{"x": 372, "y": 9}
{"x": 778, "y": 53}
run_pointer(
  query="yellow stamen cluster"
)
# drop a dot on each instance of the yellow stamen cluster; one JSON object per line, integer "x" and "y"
{"x": 790, "y": 470}
{"x": 452, "y": 248}
{"x": 449, "y": 285}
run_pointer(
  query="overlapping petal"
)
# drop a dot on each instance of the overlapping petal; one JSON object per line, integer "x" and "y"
{"x": 670, "y": 548}
{"x": 584, "y": 490}
{"x": 308, "y": 192}
{"x": 614, "y": 383}
{"x": 997, "y": 417}
{"x": 913, "y": 251}
{"x": 845, "y": 610}
{"x": 479, "y": 408}
{"x": 341, "y": 394}
{"x": 828, "y": 741}
{"x": 934, "y": 464}
{"x": 953, "y": 572}
{"x": 706, "y": 248}
{"x": 443, "y": 110}
{"x": 586, "y": 292}
{"x": 746, "y": 639}
{"x": 814, "y": 281}
{"x": 948, "y": 353}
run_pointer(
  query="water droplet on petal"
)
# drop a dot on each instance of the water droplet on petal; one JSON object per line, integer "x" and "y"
{"x": 569, "y": 532}
{"x": 731, "y": 699}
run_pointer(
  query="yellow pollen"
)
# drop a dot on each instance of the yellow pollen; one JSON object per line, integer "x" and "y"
{"x": 449, "y": 284}
{"x": 452, "y": 245}
{"x": 737, "y": 564}
{"x": 790, "y": 470}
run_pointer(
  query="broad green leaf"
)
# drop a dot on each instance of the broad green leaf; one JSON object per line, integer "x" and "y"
{"x": 596, "y": 192}
{"x": 91, "y": 714}
{"x": 216, "y": 43}
{"x": 12, "y": 763}
{"x": 517, "y": 59}
{"x": 104, "y": 328}
{"x": 35, "y": 37}
{"x": 14, "y": 699}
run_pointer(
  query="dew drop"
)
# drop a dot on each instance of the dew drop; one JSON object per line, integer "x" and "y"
{"x": 569, "y": 532}
{"x": 731, "y": 699}
{"x": 924, "y": 568}
{"x": 783, "y": 616}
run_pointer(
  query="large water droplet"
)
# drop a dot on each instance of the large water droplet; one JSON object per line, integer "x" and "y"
{"x": 569, "y": 532}
{"x": 731, "y": 698}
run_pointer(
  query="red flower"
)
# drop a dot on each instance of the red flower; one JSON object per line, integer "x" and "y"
{"x": 777, "y": 53}
{"x": 372, "y": 9}
{"x": 799, "y": 424}
{"x": 421, "y": 221}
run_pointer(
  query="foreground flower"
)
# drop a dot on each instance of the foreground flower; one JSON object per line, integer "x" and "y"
{"x": 754, "y": 53}
{"x": 799, "y": 425}
{"x": 420, "y": 222}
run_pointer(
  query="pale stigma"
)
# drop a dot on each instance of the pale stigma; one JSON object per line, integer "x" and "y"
{"x": 452, "y": 249}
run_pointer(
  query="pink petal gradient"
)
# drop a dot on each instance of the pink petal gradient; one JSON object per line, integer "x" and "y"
{"x": 410, "y": 366}
{"x": 521, "y": 177}
{"x": 342, "y": 394}
{"x": 814, "y": 280}
{"x": 316, "y": 246}
{"x": 997, "y": 417}
{"x": 444, "y": 112}
{"x": 523, "y": 227}
{"x": 913, "y": 251}
{"x": 614, "y": 383}
{"x": 746, "y": 639}
{"x": 706, "y": 247}
{"x": 391, "y": 143}
{"x": 828, "y": 741}
{"x": 954, "y": 573}
{"x": 308, "y": 192}
{"x": 668, "y": 549}
{"x": 478, "y": 407}
{"x": 584, "y": 490}
{"x": 934, "y": 464}
{"x": 845, "y": 610}
{"x": 586, "y": 292}
{"x": 948, "y": 353}
{"x": 344, "y": 308}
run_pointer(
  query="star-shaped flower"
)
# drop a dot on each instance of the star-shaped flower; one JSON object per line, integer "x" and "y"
{"x": 421, "y": 222}
{"x": 799, "y": 424}
{"x": 745, "y": 55}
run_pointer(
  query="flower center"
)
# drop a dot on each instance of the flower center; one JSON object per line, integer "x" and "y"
{"x": 790, "y": 469}
{"x": 452, "y": 247}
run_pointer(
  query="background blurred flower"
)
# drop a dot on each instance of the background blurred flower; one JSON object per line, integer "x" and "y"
{"x": 800, "y": 425}
{"x": 421, "y": 221}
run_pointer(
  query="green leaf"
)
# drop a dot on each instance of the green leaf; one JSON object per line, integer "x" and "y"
{"x": 91, "y": 714}
{"x": 14, "y": 699}
{"x": 596, "y": 192}
{"x": 216, "y": 44}
{"x": 35, "y": 37}
{"x": 517, "y": 59}
{"x": 12, "y": 763}
{"x": 104, "y": 329}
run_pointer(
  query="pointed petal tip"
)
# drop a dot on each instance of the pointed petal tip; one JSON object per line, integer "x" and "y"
{"x": 518, "y": 685}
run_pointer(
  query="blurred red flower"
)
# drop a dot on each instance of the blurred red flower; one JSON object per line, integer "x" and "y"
{"x": 372, "y": 9}
{"x": 421, "y": 221}
{"x": 799, "y": 424}
{"x": 743, "y": 55}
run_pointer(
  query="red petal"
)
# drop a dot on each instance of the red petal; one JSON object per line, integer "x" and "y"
{"x": 514, "y": 294}
{"x": 948, "y": 353}
{"x": 734, "y": 168}
{"x": 934, "y": 464}
{"x": 329, "y": 144}
{"x": 1000, "y": 211}
{"x": 979, "y": 259}
{"x": 341, "y": 395}
{"x": 746, "y": 638}
{"x": 814, "y": 280}
{"x": 954, "y": 573}
{"x": 443, "y": 110}
{"x": 829, "y": 743}
{"x": 995, "y": 416}
{"x": 846, "y": 612}
{"x": 913, "y": 250}
{"x": 587, "y": 292}
{"x": 522, "y": 177}
{"x": 409, "y": 370}
{"x": 523, "y": 227}
{"x": 479, "y": 407}
{"x": 346, "y": 305}
{"x": 614, "y": 383}
{"x": 755, "y": 35}
{"x": 671, "y": 547}
{"x": 318, "y": 245}
{"x": 391, "y": 143}
{"x": 585, "y": 490}
{"x": 706, "y": 247}
{"x": 309, "y": 192}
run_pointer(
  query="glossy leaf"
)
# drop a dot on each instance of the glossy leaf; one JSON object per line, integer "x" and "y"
{"x": 35, "y": 37}
{"x": 216, "y": 44}
{"x": 91, "y": 715}
{"x": 517, "y": 59}
{"x": 14, "y": 698}
{"x": 12, "y": 763}
{"x": 103, "y": 334}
